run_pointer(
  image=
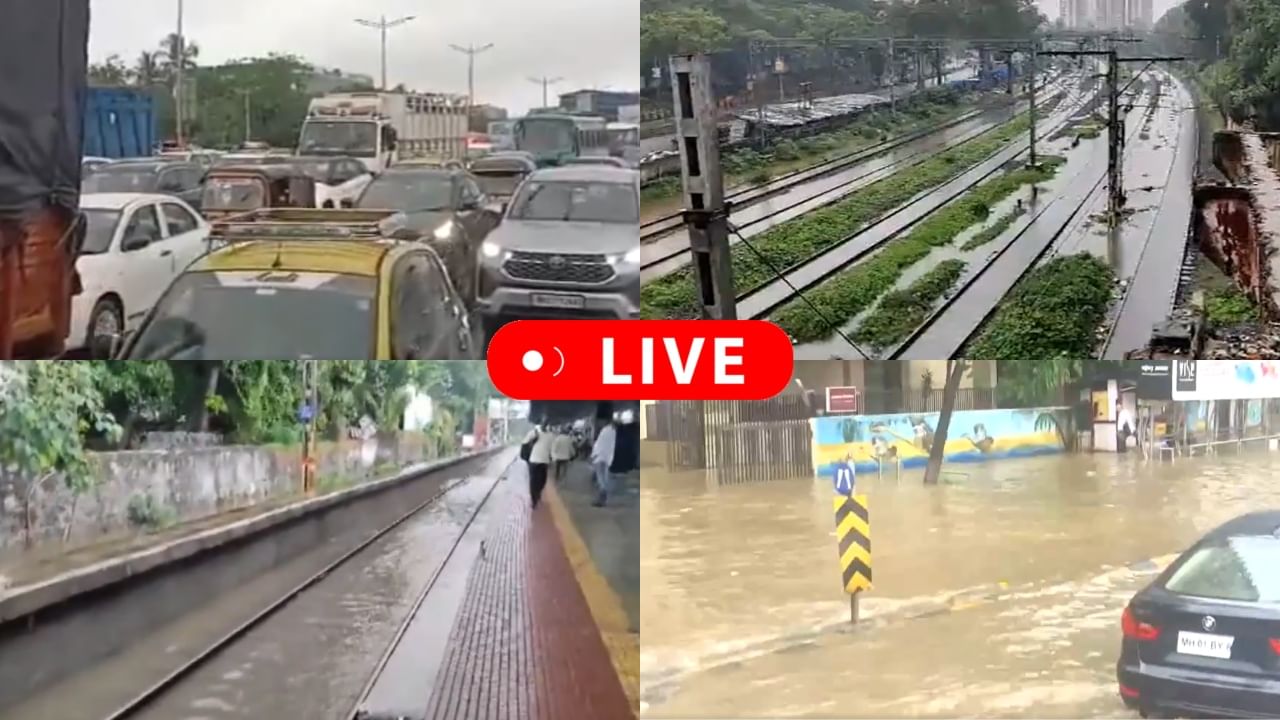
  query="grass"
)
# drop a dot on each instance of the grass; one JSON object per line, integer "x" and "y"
{"x": 674, "y": 295}
{"x": 995, "y": 230}
{"x": 1224, "y": 307}
{"x": 750, "y": 166}
{"x": 847, "y": 294}
{"x": 902, "y": 311}
{"x": 1054, "y": 312}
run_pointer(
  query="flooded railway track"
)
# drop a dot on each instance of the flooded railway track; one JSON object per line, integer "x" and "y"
{"x": 186, "y": 679}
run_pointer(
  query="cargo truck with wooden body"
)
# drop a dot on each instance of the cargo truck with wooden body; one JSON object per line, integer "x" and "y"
{"x": 381, "y": 128}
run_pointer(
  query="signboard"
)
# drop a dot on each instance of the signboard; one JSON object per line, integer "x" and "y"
{"x": 1226, "y": 379}
{"x": 842, "y": 401}
{"x": 1154, "y": 380}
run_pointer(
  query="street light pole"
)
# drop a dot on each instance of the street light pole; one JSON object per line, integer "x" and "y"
{"x": 178, "y": 104}
{"x": 383, "y": 25}
{"x": 471, "y": 51}
{"x": 545, "y": 81}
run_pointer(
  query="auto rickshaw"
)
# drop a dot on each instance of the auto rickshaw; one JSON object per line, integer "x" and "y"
{"x": 237, "y": 189}
{"x": 500, "y": 175}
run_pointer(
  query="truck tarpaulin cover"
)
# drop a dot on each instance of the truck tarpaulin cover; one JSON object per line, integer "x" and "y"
{"x": 43, "y": 63}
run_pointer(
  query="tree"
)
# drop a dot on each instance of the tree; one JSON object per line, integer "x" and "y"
{"x": 277, "y": 86}
{"x": 955, "y": 371}
{"x": 111, "y": 72}
{"x": 686, "y": 30}
{"x": 46, "y": 407}
{"x": 146, "y": 70}
{"x": 1036, "y": 383}
{"x": 174, "y": 51}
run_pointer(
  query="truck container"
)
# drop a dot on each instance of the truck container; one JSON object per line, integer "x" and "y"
{"x": 380, "y": 128}
{"x": 119, "y": 123}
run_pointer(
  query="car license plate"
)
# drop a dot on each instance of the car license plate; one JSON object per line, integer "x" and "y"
{"x": 572, "y": 302}
{"x": 1205, "y": 645}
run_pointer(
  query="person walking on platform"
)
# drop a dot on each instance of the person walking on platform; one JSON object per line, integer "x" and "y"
{"x": 601, "y": 459}
{"x": 539, "y": 460}
{"x": 562, "y": 453}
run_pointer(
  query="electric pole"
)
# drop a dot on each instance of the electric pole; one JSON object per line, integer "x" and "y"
{"x": 383, "y": 25}
{"x": 705, "y": 214}
{"x": 179, "y": 111}
{"x": 545, "y": 82}
{"x": 1031, "y": 110}
{"x": 471, "y": 51}
{"x": 248, "y": 127}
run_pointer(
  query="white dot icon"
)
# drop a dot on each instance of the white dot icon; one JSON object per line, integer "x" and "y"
{"x": 532, "y": 361}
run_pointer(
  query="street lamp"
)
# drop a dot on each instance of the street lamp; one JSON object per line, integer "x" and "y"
{"x": 382, "y": 25}
{"x": 545, "y": 81}
{"x": 471, "y": 51}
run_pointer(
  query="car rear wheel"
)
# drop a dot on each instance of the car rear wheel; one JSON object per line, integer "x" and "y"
{"x": 106, "y": 319}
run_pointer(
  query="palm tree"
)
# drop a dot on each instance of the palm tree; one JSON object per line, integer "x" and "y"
{"x": 167, "y": 56}
{"x": 147, "y": 69}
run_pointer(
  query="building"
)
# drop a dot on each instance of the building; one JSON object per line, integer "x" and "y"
{"x": 896, "y": 385}
{"x": 1077, "y": 14}
{"x": 604, "y": 103}
{"x": 326, "y": 80}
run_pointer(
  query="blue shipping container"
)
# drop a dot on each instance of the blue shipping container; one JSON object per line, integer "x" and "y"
{"x": 119, "y": 123}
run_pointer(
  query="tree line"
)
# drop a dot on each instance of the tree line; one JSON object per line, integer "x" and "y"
{"x": 50, "y": 412}
{"x": 1235, "y": 44}
{"x": 275, "y": 87}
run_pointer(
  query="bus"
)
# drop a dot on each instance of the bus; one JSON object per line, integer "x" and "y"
{"x": 500, "y": 135}
{"x": 624, "y": 141}
{"x": 554, "y": 138}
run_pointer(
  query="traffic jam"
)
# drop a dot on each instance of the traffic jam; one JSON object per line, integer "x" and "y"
{"x": 390, "y": 232}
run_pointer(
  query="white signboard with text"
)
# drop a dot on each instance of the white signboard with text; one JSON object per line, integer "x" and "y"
{"x": 1225, "y": 379}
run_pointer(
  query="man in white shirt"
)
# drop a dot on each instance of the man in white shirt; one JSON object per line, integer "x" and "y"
{"x": 539, "y": 460}
{"x": 561, "y": 453}
{"x": 601, "y": 459}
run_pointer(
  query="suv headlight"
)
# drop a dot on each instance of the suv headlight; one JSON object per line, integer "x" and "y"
{"x": 445, "y": 231}
{"x": 632, "y": 257}
{"x": 490, "y": 250}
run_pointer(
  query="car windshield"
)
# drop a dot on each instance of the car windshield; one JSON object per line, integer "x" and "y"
{"x": 546, "y": 136}
{"x": 100, "y": 227}
{"x": 319, "y": 137}
{"x": 1244, "y": 568}
{"x": 257, "y": 315}
{"x": 577, "y": 201}
{"x": 233, "y": 193}
{"x": 108, "y": 179}
{"x": 409, "y": 191}
{"x": 254, "y": 160}
{"x": 498, "y": 183}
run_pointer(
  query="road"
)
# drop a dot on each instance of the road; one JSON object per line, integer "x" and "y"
{"x": 997, "y": 593}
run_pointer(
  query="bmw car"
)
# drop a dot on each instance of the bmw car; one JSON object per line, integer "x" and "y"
{"x": 1203, "y": 639}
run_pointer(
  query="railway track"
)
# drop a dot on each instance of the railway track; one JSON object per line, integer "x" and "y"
{"x": 745, "y": 195}
{"x": 368, "y": 549}
{"x": 660, "y": 261}
{"x": 955, "y": 322}
{"x": 759, "y": 301}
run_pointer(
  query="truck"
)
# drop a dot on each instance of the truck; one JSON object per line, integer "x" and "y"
{"x": 46, "y": 58}
{"x": 380, "y": 128}
{"x": 119, "y": 123}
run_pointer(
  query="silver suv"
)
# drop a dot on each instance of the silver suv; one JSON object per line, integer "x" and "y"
{"x": 568, "y": 247}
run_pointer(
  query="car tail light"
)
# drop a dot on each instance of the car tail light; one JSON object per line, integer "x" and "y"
{"x": 1275, "y": 645}
{"x": 1129, "y": 692}
{"x": 1132, "y": 628}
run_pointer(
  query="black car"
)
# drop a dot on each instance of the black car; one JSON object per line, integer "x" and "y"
{"x": 167, "y": 177}
{"x": 444, "y": 207}
{"x": 1203, "y": 639}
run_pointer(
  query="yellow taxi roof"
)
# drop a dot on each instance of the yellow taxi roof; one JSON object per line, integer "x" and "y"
{"x": 344, "y": 257}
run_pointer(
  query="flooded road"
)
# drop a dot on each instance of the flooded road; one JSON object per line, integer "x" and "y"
{"x": 997, "y": 593}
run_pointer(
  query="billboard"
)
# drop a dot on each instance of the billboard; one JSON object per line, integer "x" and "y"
{"x": 1225, "y": 379}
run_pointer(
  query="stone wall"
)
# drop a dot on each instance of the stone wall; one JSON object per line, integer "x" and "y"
{"x": 186, "y": 484}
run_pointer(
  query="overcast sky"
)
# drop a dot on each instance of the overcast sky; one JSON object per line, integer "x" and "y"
{"x": 590, "y": 43}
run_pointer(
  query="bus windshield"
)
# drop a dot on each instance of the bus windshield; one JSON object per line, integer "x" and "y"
{"x": 544, "y": 137}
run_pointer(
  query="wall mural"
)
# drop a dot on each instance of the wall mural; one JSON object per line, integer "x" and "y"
{"x": 974, "y": 436}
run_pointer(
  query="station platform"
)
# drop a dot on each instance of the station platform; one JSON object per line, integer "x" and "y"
{"x": 540, "y": 634}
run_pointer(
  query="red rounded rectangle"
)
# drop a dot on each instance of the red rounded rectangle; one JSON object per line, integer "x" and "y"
{"x": 640, "y": 359}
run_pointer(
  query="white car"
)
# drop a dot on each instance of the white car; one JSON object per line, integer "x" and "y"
{"x": 339, "y": 180}
{"x": 135, "y": 245}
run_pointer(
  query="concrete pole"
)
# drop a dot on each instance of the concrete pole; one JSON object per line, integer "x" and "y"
{"x": 1115, "y": 141}
{"x": 1031, "y": 112}
{"x": 179, "y": 108}
{"x": 705, "y": 214}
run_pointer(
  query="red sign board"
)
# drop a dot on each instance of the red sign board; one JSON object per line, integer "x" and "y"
{"x": 842, "y": 400}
